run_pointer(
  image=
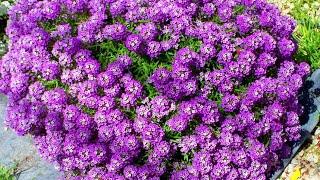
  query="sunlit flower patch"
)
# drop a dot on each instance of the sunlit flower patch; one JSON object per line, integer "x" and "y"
{"x": 126, "y": 89}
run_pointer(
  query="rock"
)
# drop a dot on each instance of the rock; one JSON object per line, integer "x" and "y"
{"x": 295, "y": 161}
{"x": 19, "y": 153}
{"x": 290, "y": 167}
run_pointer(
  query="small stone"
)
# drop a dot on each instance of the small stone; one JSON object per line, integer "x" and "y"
{"x": 314, "y": 177}
{"x": 312, "y": 171}
{"x": 290, "y": 168}
{"x": 303, "y": 171}
{"x": 303, "y": 163}
{"x": 295, "y": 161}
{"x": 312, "y": 158}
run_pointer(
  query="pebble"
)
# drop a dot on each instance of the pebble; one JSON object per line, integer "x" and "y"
{"x": 307, "y": 160}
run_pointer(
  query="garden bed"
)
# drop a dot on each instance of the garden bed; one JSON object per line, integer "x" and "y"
{"x": 162, "y": 88}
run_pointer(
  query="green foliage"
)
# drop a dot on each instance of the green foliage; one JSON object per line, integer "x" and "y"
{"x": 142, "y": 66}
{"x": 4, "y": 6}
{"x": 192, "y": 43}
{"x": 309, "y": 44}
{"x": 6, "y": 174}
{"x": 216, "y": 130}
{"x": 258, "y": 111}
{"x": 130, "y": 25}
{"x": 217, "y": 19}
{"x": 238, "y": 9}
{"x": 215, "y": 96}
{"x": 51, "y": 84}
{"x": 88, "y": 110}
{"x": 108, "y": 51}
{"x": 131, "y": 114}
{"x": 265, "y": 139}
{"x": 171, "y": 135}
{"x": 143, "y": 157}
{"x": 307, "y": 34}
{"x": 3, "y": 24}
{"x": 49, "y": 26}
{"x": 187, "y": 157}
{"x": 240, "y": 89}
{"x": 74, "y": 21}
{"x": 54, "y": 84}
{"x": 212, "y": 65}
{"x": 192, "y": 126}
{"x": 272, "y": 71}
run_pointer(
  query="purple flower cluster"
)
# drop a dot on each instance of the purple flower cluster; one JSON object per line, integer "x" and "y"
{"x": 228, "y": 110}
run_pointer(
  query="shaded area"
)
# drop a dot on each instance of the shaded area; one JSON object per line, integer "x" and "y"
{"x": 310, "y": 100}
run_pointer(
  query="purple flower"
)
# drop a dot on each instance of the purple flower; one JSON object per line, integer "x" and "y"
{"x": 50, "y": 70}
{"x": 209, "y": 9}
{"x": 153, "y": 49}
{"x": 114, "y": 32}
{"x": 147, "y": 31}
{"x": 188, "y": 143}
{"x": 286, "y": 47}
{"x": 244, "y": 23}
{"x": 202, "y": 162}
{"x": 106, "y": 79}
{"x": 134, "y": 43}
{"x": 178, "y": 122}
{"x": 125, "y": 89}
{"x": 224, "y": 12}
{"x": 230, "y": 102}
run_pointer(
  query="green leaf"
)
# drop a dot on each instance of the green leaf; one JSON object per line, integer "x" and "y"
{"x": 238, "y": 9}
{"x": 6, "y": 174}
{"x": 88, "y": 110}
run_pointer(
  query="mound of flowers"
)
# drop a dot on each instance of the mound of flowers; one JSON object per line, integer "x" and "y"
{"x": 150, "y": 89}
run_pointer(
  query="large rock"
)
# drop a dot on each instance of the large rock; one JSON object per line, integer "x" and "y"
{"x": 19, "y": 153}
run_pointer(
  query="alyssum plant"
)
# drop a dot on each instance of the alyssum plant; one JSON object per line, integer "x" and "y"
{"x": 150, "y": 89}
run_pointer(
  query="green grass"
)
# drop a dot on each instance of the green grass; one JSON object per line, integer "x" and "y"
{"x": 307, "y": 34}
{"x": 6, "y": 174}
{"x": 142, "y": 66}
{"x": 49, "y": 85}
